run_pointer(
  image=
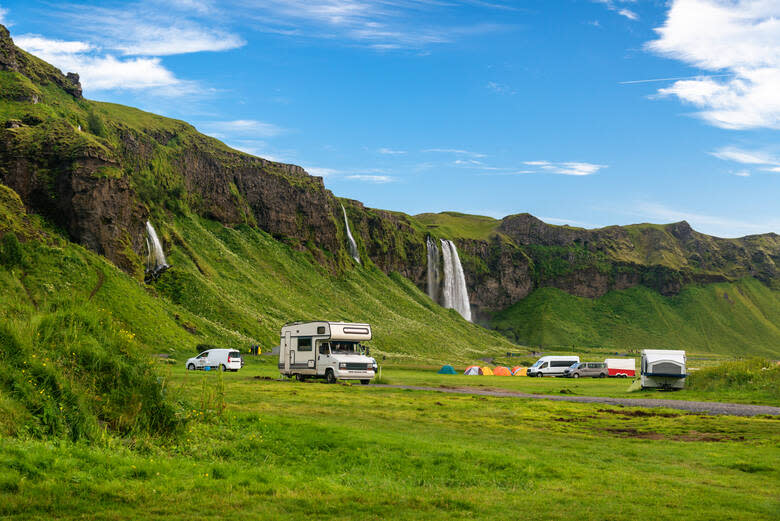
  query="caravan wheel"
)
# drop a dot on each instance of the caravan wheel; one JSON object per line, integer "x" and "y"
{"x": 330, "y": 377}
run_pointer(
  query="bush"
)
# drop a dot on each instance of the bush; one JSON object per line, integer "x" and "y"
{"x": 747, "y": 375}
{"x": 10, "y": 251}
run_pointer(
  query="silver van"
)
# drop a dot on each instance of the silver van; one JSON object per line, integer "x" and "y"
{"x": 592, "y": 369}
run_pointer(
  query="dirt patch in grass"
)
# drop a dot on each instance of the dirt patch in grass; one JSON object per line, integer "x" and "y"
{"x": 689, "y": 436}
{"x": 640, "y": 413}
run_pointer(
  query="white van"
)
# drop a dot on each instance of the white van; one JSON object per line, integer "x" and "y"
{"x": 330, "y": 350}
{"x": 552, "y": 365}
{"x": 223, "y": 359}
{"x": 663, "y": 368}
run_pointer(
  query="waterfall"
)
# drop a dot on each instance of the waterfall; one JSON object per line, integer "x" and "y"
{"x": 155, "y": 260}
{"x": 455, "y": 295}
{"x": 433, "y": 269}
{"x": 353, "y": 250}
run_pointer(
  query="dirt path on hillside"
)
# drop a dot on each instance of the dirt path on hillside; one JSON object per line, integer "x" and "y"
{"x": 733, "y": 409}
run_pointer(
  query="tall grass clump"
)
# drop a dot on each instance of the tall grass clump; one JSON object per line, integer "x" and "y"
{"x": 79, "y": 375}
{"x": 753, "y": 375}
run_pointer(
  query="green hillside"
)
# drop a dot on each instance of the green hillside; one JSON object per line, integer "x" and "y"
{"x": 739, "y": 319}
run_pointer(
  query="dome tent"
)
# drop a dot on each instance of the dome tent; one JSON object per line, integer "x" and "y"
{"x": 519, "y": 371}
{"x": 473, "y": 370}
{"x": 447, "y": 369}
{"x": 502, "y": 371}
{"x": 487, "y": 371}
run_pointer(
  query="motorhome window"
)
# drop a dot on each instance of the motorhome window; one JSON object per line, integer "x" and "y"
{"x": 324, "y": 348}
{"x": 304, "y": 344}
{"x": 355, "y": 330}
{"x": 320, "y": 330}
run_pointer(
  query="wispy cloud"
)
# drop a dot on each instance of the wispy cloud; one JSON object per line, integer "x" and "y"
{"x": 711, "y": 224}
{"x": 241, "y": 127}
{"x": 738, "y": 36}
{"x": 455, "y": 151}
{"x": 500, "y": 88}
{"x": 760, "y": 159}
{"x": 379, "y": 24}
{"x": 391, "y": 152}
{"x": 618, "y": 6}
{"x": 3, "y": 14}
{"x": 576, "y": 168}
{"x": 380, "y": 179}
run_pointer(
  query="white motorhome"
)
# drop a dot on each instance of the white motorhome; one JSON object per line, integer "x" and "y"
{"x": 330, "y": 350}
{"x": 662, "y": 368}
{"x": 552, "y": 365}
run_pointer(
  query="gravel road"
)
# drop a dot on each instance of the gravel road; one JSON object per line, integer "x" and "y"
{"x": 733, "y": 409}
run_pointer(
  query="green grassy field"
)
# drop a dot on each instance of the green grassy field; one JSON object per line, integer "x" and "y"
{"x": 266, "y": 449}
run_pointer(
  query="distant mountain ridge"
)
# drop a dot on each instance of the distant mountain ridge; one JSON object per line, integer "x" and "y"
{"x": 98, "y": 171}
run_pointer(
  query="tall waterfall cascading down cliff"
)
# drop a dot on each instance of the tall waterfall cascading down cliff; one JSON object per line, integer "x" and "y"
{"x": 155, "y": 260}
{"x": 353, "y": 250}
{"x": 433, "y": 276}
{"x": 454, "y": 294}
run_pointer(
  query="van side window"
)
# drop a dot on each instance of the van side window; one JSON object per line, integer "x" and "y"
{"x": 304, "y": 344}
{"x": 544, "y": 365}
{"x": 203, "y": 355}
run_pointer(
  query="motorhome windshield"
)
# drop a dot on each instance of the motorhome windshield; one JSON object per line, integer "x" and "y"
{"x": 345, "y": 348}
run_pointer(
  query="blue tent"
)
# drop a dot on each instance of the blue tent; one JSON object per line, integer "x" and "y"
{"x": 447, "y": 369}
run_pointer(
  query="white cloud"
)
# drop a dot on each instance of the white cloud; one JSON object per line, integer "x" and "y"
{"x": 322, "y": 172}
{"x": 500, "y": 88}
{"x": 741, "y": 173}
{"x": 618, "y": 6}
{"x": 151, "y": 40}
{"x": 3, "y": 14}
{"x": 576, "y": 168}
{"x": 242, "y": 127}
{"x": 391, "y": 152}
{"x": 738, "y": 36}
{"x": 380, "y": 179}
{"x": 104, "y": 72}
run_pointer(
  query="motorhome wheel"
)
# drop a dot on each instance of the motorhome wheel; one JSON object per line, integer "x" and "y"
{"x": 330, "y": 377}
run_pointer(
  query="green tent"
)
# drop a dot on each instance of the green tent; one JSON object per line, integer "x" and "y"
{"x": 447, "y": 369}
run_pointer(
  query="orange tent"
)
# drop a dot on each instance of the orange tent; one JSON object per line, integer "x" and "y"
{"x": 487, "y": 371}
{"x": 519, "y": 371}
{"x": 502, "y": 371}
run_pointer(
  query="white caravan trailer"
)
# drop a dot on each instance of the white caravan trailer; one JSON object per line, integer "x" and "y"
{"x": 621, "y": 367}
{"x": 330, "y": 350}
{"x": 661, "y": 368}
{"x": 552, "y": 365}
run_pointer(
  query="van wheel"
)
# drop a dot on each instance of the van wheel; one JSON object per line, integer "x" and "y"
{"x": 330, "y": 377}
{"x": 222, "y": 367}
{"x": 602, "y": 375}
{"x": 365, "y": 382}
{"x": 191, "y": 367}
{"x": 576, "y": 375}
{"x": 540, "y": 375}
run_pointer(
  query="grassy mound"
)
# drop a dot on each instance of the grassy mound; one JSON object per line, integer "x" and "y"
{"x": 757, "y": 376}
{"x": 738, "y": 319}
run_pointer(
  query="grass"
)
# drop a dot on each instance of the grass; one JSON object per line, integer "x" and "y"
{"x": 736, "y": 319}
{"x": 459, "y": 225}
{"x": 292, "y": 450}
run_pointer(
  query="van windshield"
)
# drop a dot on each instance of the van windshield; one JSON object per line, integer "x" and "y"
{"x": 538, "y": 363}
{"x": 345, "y": 348}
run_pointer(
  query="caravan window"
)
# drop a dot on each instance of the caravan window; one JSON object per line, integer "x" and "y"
{"x": 304, "y": 344}
{"x": 324, "y": 348}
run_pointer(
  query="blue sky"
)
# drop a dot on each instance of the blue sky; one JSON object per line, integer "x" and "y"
{"x": 586, "y": 112}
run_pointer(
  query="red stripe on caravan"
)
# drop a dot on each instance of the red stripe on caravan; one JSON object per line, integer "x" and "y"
{"x": 616, "y": 372}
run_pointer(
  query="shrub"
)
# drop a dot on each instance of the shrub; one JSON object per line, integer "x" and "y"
{"x": 10, "y": 250}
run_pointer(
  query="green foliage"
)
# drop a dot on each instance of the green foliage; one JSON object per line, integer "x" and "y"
{"x": 458, "y": 225}
{"x": 95, "y": 124}
{"x": 10, "y": 250}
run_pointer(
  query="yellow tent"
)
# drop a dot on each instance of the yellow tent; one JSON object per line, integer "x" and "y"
{"x": 487, "y": 371}
{"x": 519, "y": 371}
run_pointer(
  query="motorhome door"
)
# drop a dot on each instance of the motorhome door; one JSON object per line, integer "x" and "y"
{"x": 287, "y": 350}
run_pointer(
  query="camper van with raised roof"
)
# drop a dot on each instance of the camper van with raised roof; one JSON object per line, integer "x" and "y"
{"x": 330, "y": 350}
